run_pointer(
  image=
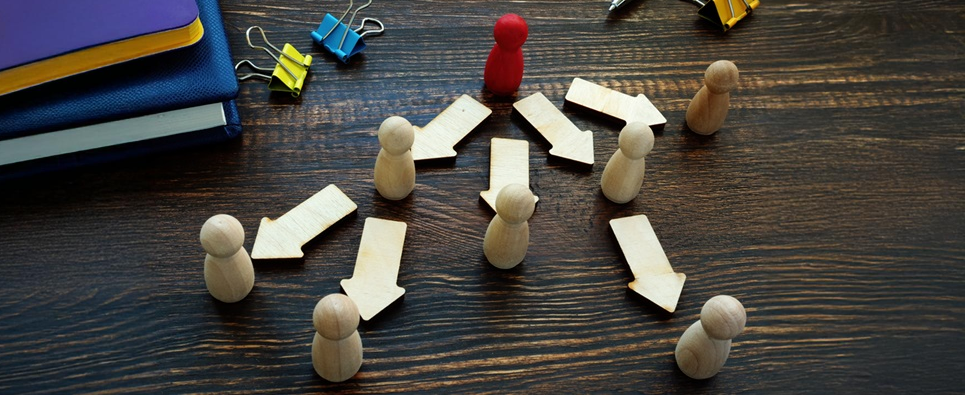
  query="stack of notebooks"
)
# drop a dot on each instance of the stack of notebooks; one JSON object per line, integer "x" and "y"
{"x": 98, "y": 80}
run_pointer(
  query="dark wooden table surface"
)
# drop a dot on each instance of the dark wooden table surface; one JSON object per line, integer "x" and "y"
{"x": 832, "y": 204}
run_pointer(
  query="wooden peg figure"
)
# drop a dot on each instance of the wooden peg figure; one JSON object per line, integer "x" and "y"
{"x": 228, "y": 272}
{"x": 707, "y": 111}
{"x": 704, "y": 347}
{"x": 394, "y": 167}
{"x": 337, "y": 347}
{"x": 507, "y": 237}
{"x": 504, "y": 67}
{"x": 623, "y": 174}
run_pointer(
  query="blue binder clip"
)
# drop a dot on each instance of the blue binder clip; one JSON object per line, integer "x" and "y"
{"x": 339, "y": 38}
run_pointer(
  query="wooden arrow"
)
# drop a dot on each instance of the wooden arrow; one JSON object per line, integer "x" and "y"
{"x": 508, "y": 164}
{"x": 372, "y": 286}
{"x": 285, "y": 236}
{"x": 567, "y": 140}
{"x": 615, "y": 104}
{"x": 436, "y": 139}
{"x": 654, "y": 278}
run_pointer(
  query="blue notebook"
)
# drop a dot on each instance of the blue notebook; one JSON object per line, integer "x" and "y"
{"x": 198, "y": 76}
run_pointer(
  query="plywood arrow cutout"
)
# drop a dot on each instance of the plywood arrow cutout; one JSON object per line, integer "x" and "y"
{"x": 436, "y": 139}
{"x": 568, "y": 141}
{"x": 654, "y": 278}
{"x": 615, "y": 104}
{"x": 509, "y": 164}
{"x": 372, "y": 286}
{"x": 285, "y": 236}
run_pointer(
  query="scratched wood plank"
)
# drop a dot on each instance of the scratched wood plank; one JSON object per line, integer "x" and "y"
{"x": 831, "y": 204}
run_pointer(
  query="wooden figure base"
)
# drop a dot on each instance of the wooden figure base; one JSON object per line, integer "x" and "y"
{"x": 699, "y": 356}
{"x": 229, "y": 279}
{"x": 707, "y": 112}
{"x": 337, "y": 360}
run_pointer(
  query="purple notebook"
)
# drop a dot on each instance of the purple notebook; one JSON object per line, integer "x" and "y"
{"x": 32, "y": 30}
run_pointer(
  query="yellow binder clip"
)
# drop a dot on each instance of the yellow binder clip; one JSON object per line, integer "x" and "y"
{"x": 290, "y": 69}
{"x": 723, "y": 16}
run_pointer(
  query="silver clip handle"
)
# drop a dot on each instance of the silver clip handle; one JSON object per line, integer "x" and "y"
{"x": 370, "y": 32}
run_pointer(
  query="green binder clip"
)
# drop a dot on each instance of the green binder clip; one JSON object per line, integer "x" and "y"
{"x": 290, "y": 69}
{"x": 725, "y": 17}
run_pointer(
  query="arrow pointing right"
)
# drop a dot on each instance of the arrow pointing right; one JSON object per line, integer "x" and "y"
{"x": 372, "y": 286}
{"x": 615, "y": 104}
{"x": 654, "y": 278}
{"x": 567, "y": 140}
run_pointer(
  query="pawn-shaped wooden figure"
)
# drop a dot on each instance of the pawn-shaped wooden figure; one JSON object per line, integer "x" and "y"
{"x": 708, "y": 110}
{"x": 504, "y": 67}
{"x": 337, "y": 347}
{"x": 228, "y": 272}
{"x": 507, "y": 237}
{"x": 704, "y": 347}
{"x": 394, "y": 167}
{"x": 623, "y": 174}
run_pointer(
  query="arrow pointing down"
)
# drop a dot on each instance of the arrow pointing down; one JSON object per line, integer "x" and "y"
{"x": 372, "y": 286}
{"x": 508, "y": 164}
{"x": 654, "y": 278}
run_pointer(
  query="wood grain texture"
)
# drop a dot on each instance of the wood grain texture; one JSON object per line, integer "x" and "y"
{"x": 831, "y": 204}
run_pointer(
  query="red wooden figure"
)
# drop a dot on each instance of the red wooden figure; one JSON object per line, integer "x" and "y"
{"x": 504, "y": 68}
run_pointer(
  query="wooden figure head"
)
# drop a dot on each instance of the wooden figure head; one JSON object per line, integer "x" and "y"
{"x": 396, "y": 135}
{"x": 636, "y": 140}
{"x": 335, "y": 317}
{"x": 721, "y": 77}
{"x": 222, "y": 236}
{"x": 515, "y": 203}
{"x": 723, "y": 317}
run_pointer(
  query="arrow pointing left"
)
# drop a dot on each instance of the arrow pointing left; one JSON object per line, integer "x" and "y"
{"x": 285, "y": 236}
{"x": 437, "y": 139}
{"x": 372, "y": 286}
